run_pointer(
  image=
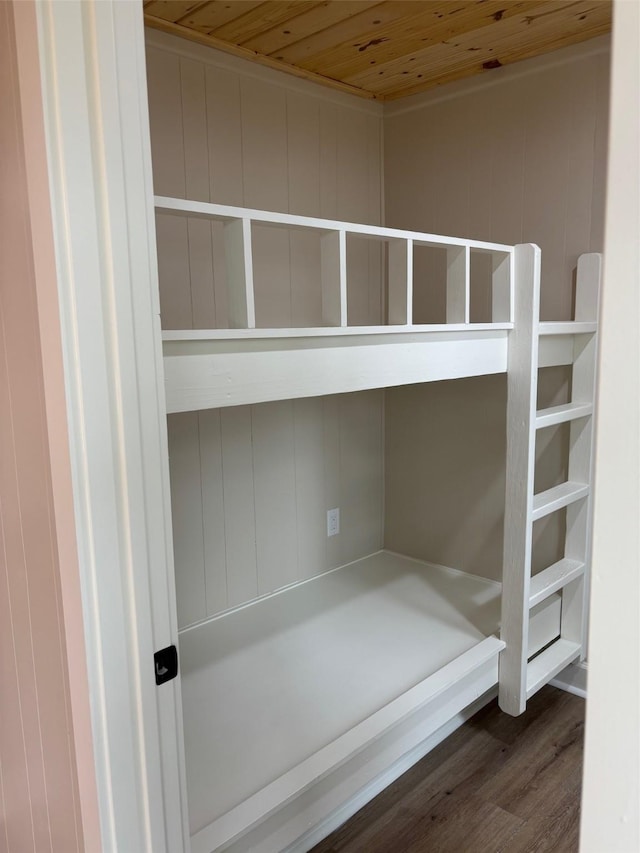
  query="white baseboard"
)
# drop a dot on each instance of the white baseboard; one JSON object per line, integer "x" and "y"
{"x": 573, "y": 679}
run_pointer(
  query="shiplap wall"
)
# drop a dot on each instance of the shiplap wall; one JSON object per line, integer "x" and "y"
{"x": 518, "y": 157}
{"x": 251, "y": 485}
{"x": 42, "y": 804}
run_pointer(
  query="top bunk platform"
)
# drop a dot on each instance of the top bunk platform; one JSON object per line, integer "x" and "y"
{"x": 246, "y": 364}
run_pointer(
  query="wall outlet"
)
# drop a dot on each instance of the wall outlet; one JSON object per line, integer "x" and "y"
{"x": 333, "y": 522}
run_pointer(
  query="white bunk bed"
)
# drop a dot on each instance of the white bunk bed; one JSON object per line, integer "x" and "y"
{"x": 283, "y": 692}
{"x": 245, "y": 364}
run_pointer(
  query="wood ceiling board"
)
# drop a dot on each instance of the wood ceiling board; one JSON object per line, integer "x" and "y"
{"x": 325, "y": 15}
{"x": 510, "y": 40}
{"x": 250, "y": 55}
{"x": 172, "y": 10}
{"x": 405, "y": 38}
{"x": 384, "y": 49}
{"x": 447, "y": 68}
{"x": 367, "y": 22}
{"x": 214, "y": 14}
{"x": 263, "y": 17}
{"x": 462, "y": 70}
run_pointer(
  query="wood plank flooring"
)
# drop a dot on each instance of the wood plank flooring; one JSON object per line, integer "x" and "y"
{"x": 499, "y": 784}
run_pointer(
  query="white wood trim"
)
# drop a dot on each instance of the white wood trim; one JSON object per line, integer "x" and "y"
{"x": 555, "y": 415}
{"x": 213, "y": 335}
{"x": 195, "y": 382}
{"x": 549, "y": 663}
{"x": 287, "y": 829}
{"x": 258, "y": 807}
{"x": 558, "y": 497}
{"x": 583, "y": 389}
{"x": 208, "y": 210}
{"x": 553, "y": 578}
{"x": 568, "y": 327}
{"x": 217, "y": 59}
{"x": 94, "y": 92}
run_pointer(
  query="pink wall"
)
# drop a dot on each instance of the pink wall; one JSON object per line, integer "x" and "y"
{"x": 47, "y": 783}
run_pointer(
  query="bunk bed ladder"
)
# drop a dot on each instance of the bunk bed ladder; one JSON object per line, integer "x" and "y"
{"x": 534, "y": 345}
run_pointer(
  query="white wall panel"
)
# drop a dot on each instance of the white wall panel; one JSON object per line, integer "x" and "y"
{"x": 253, "y": 485}
{"x": 213, "y": 519}
{"x": 303, "y": 176}
{"x": 186, "y": 511}
{"x": 311, "y": 501}
{"x": 274, "y": 471}
{"x": 239, "y": 505}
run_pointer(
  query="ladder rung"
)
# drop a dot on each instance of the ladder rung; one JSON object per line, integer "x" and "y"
{"x": 556, "y": 498}
{"x": 561, "y": 414}
{"x": 569, "y": 327}
{"x": 553, "y": 578}
{"x": 549, "y": 663}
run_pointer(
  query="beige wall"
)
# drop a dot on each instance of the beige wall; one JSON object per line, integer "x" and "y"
{"x": 251, "y": 485}
{"x": 47, "y": 788}
{"x": 519, "y": 156}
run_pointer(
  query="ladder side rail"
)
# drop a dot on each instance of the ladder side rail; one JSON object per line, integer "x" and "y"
{"x": 579, "y": 516}
{"x": 522, "y": 384}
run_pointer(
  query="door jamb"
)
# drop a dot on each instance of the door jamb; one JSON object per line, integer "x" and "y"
{"x": 97, "y": 129}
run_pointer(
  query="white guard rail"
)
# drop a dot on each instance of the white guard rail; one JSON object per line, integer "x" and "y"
{"x": 238, "y": 223}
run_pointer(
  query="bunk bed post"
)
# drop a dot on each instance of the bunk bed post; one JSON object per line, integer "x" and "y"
{"x": 518, "y": 525}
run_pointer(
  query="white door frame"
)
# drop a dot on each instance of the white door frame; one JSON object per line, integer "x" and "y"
{"x": 96, "y": 120}
{"x": 97, "y": 128}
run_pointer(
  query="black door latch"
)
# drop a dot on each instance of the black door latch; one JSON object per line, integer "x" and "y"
{"x": 166, "y": 664}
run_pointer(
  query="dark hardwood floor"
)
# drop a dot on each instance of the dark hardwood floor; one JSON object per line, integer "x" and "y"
{"x": 499, "y": 783}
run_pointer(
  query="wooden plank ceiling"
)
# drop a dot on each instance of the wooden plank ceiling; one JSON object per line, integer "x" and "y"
{"x": 383, "y": 50}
